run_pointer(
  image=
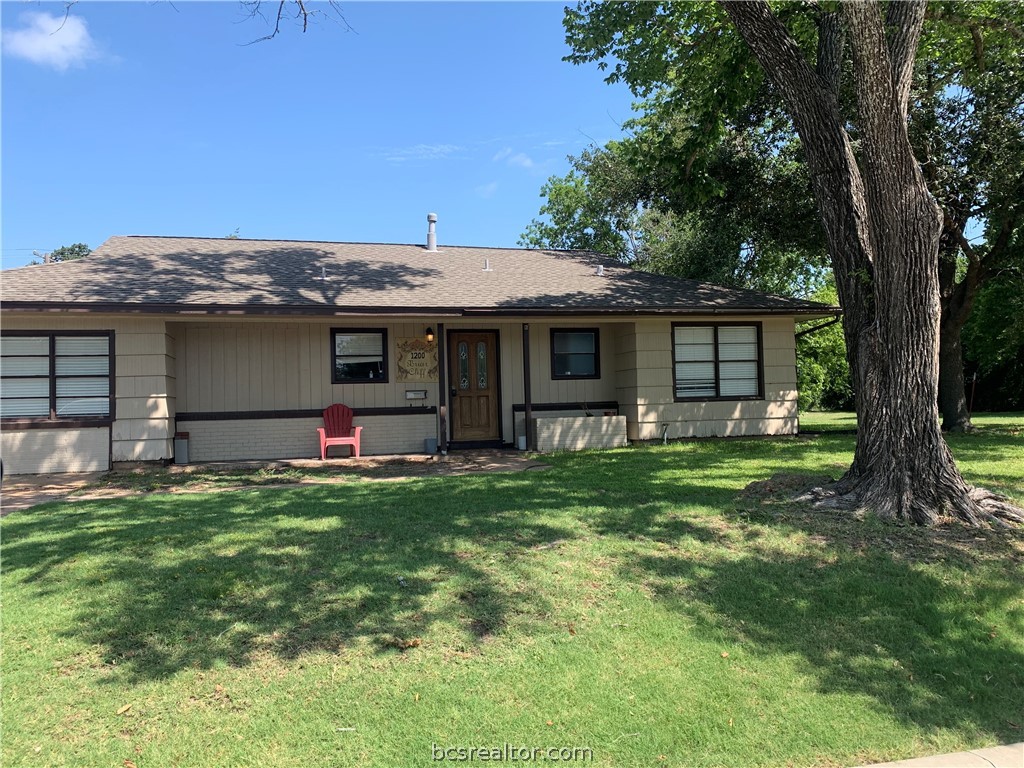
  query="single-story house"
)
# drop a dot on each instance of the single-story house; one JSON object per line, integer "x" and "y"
{"x": 242, "y": 344}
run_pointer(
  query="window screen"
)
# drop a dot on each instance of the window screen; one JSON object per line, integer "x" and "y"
{"x": 716, "y": 361}
{"x": 55, "y": 376}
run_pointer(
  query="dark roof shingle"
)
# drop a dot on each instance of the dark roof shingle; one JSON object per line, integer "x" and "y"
{"x": 183, "y": 272}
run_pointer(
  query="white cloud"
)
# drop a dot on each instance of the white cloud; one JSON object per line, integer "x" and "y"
{"x": 522, "y": 160}
{"x": 486, "y": 191}
{"x": 51, "y": 41}
{"x": 513, "y": 158}
{"x": 421, "y": 152}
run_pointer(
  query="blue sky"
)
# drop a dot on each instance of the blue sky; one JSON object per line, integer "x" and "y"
{"x": 152, "y": 118}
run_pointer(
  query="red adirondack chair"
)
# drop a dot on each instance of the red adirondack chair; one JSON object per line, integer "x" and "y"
{"x": 338, "y": 430}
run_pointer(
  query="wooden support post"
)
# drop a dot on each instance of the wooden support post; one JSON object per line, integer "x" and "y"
{"x": 527, "y": 399}
{"x": 442, "y": 383}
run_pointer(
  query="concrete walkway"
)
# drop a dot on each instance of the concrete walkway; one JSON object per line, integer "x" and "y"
{"x": 1007, "y": 756}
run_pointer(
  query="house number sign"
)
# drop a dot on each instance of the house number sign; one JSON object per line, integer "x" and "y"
{"x": 417, "y": 360}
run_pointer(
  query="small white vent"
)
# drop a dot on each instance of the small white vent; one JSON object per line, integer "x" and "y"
{"x": 487, "y": 265}
{"x": 600, "y": 270}
{"x": 431, "y": 232}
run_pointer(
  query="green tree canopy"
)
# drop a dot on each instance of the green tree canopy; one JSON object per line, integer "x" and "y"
{"x": 64, "y": 253}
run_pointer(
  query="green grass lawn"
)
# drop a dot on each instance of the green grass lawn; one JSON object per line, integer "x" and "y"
{"x": 631, "y": 601}
{"x": 846, "y": 421}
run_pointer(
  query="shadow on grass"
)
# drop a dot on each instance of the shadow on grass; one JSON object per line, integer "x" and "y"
{"x": 172, "y": 581}
{"x": 865, "y": 625}
{"x": 167, "y": 582}
{"x": 929, "y": 624}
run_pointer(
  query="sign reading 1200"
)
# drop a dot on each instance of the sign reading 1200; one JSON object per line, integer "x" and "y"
{"x": 417, "y": 360}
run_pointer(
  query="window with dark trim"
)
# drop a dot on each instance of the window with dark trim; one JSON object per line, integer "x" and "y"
{"x": 359, "y": 355}
{"x": 575, "y": 353}
{"x": 717, "y": 362}
{"x": 56, "y": 376}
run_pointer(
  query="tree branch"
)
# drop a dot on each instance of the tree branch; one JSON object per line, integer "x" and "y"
{"x": 302, "y": 11}
{"x": 979, "y": 48}
{"x": 905, "y": 20}
{"x": 958, "y": 234}
{"x": 830, "y": 50}
{"x": 835, "y": 176}
{"x": 775, "y": 48}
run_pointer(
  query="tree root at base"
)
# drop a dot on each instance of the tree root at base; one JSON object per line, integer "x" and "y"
{"x": 980, "y": 507}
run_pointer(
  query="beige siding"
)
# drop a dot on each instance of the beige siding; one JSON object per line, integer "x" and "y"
{"x": 297, "y": 438}
{"x": 646, "y": 395}
{"x": 268, "y": 365}
{"x": 263, "y": 365}
{"x": 144, "y": 388}
{"x": 33, "y": 451}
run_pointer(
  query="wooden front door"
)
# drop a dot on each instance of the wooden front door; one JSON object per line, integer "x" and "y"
{"x": 474, "y": 385}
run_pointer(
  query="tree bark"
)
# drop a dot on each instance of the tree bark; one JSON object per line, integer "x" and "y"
{"x": 952, "y": 388}
{"x": 882, "y": 227}
{"x": 957, "y": 300}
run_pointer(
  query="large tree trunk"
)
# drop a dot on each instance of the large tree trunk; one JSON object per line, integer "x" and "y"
{"x": 957, "y": 299}
{"x": 883, "y": 228}
{"x": 956, "y": 307}
{"x": 952, "y": 388}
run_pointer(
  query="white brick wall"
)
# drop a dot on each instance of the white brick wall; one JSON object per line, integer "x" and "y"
{"x": 575, "y": 433}
{"x": 297, "y": 438}
{"x": 30, "y": 451}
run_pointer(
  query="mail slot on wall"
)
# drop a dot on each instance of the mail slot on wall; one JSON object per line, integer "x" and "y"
{"x": 415, "y": 394}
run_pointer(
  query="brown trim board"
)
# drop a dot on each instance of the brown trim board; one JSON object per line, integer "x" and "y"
{"x": 14, "y": 425}
{"x": 416, "y": 410}
{"x": 604, "y": 405}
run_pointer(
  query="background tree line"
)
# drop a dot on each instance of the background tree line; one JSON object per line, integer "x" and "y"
{"x": 731, "y": 202}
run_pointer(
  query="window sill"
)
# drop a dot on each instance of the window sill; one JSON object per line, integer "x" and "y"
{"x": 22, "y": 423}
{"x": 742, "y": 398}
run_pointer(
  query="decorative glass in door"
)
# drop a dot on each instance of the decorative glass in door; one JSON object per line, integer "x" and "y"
{"x": 463, "y": 365}
{"x": 481, "y": 364}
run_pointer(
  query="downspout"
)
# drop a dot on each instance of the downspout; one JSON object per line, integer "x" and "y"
{"x": 816, "y": 328}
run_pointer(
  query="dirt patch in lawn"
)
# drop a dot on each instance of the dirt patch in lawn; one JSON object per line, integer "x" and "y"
{"x": 25, "y": 491}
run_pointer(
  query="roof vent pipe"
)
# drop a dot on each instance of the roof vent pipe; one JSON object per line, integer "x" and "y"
{"x": 431, "y": 233}
{"x": 600, "y": 270}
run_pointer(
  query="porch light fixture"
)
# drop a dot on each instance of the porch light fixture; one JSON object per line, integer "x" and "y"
{"x": 430, "y": 334}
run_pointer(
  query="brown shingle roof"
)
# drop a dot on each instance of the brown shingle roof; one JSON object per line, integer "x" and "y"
{"x": 167, "y": 273}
